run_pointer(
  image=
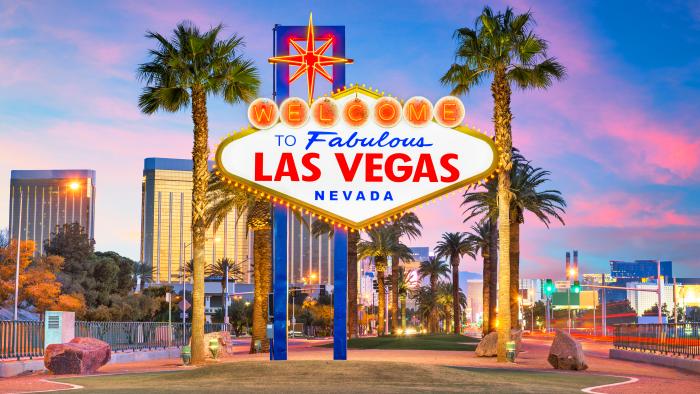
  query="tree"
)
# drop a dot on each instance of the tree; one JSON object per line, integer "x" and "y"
{"x": 257, "y": 211}
{"x": 71, "y": 242}
{"x": 38, "y": 285}
{"x": 319, "y": 227}
{"x": 382, "y": 243}
{"x": 502, "y": 45}
{"x": 409, "y": 226}
{"x": 526, "y": 195}
{"x": 433, "y": 269}
{"x": 481, "y": 239}
{"x": 404, "y": 288}
{"x": 227, "y": 270}
{"x": 535, "y": 314}
{"x": 445, "y": 300}
{"x": 143, "y": 273}
{"x": 182, "y": 72}
{"x": 454, "y": 246}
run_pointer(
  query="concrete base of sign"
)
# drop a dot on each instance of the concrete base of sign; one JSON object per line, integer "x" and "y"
{"x": 9, "y": 369}
{"x": 657, "y": 359}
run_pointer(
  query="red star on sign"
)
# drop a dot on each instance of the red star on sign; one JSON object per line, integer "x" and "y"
{"x": 310, "y": 60}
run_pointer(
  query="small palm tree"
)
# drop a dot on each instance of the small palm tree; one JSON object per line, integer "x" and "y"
{"x": 409, "y": 226}
{"x": 226, "y": 268}
{"x": 481, "y": 239}
{"x": 446, "y": 304}
{"x": 453, "y": 247}
{"x": 433, "y": 269}
{"x": 182, "y": 72}
{"x": 404, "y": 289}
{"x": 144, "y": 272}
{"x": 319, "y": 227}
{"x": 383, "y": 242}
{"x": 503, "y": 45}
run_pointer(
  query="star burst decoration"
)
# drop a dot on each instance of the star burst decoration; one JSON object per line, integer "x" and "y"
{"x": 310, "y": 60}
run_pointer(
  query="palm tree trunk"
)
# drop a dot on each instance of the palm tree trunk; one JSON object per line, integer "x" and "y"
{"x": 200, "y": 180}
{"x": 403, "y": 313}
{"x": 381, "y": 298}
{"x": 514, "y": 272}
{"x": 262, "y": 276}
{"x": 493, "y": 284}
{"x": 502, "y": 118}
{"x": 486, "y": 295}
{"x": 394, "y": 294}
{"x": 353, "y": 239}
{"x": 455, "y": 295}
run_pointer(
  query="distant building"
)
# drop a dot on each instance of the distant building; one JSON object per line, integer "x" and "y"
{"x": 639, "y": 269}
{"x": 50, "y": 199}
{"x": 420, "y": 253}
{"x": 531, "y": 291}
{"x": 643, "y": 300}
{"x": 475, "y": 300}
{"x": 166, "y": 217}
{"x": 310, "y": 258}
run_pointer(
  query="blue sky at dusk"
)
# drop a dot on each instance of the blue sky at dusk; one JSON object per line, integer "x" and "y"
{"x": 620, "y": 135}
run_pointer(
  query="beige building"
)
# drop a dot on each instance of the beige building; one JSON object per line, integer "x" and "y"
{"x": 166, "y": 216}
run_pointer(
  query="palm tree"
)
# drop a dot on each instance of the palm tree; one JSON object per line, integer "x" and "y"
{"x": 453, "y": 247}
{"x": 226, "y": 268}
{"x": 319, "y": 227}
{"x": 445, "y": 301}
{"x": 409, "y": 226}
{"x": 502, "y": 45}
{"x": 481, "y": 239}
{"x": 525, "y": 181}
{"x": 383, "y": 242}
{"x": 257, "y": 212}
{"x": 181, "y": 73}
{"x": 404, "y": 287}
{"x": 144, "y": 272}
{"x": 433, "y": 269}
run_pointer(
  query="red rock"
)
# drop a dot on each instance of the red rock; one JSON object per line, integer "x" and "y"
{"x": 79, "y": 356}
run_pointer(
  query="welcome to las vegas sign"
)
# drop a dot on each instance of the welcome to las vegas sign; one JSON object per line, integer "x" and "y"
{"x": 357, "y": 157}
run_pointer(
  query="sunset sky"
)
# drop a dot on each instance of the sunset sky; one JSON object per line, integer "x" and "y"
{"x": 620, "y": 135}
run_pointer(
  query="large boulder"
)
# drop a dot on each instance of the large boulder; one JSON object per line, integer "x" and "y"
{"x": 79, "y": 356}
{"x": 488, "y": 347}
{"x": 566, "y": 353}
{"x": 225, "y": 343}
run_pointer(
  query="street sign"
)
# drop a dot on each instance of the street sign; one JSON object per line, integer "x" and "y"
{"x": 184, "y": 305}
{"x": 185, "y": 315}
{"x": 357, "y": 157}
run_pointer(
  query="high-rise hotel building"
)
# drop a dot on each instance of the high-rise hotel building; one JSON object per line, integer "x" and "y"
{"x": 48, "y": 199}
{"x": 166, "y": 236}
{"x": 166, "y": 217}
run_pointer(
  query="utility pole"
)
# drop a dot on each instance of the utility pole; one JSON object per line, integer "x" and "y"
{"x": 225, "y": 300}
{"x": 19, "y": 242}
{"x": 658, "y": 294}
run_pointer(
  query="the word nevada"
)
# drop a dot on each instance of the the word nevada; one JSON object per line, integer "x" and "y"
{"x": 386, "y": 112}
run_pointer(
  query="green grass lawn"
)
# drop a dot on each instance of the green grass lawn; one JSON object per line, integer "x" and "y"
{"x": 414, "y": 342}
{"x": 339, "y": 376}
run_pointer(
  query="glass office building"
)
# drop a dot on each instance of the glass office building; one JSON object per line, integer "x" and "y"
{"x": 48, "y": 199}
{"x": 640, "y": 269}
{"x": 166, "y": 217}
{"x": 310, "y": 258}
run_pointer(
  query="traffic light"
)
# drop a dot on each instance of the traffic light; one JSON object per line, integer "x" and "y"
{"x": 548, "y": 287}
{"x": 576, "y": 288}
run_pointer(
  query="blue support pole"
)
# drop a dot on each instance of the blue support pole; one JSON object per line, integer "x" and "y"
{"x": 340, "y": 295}
{"x": 280, "y": 286}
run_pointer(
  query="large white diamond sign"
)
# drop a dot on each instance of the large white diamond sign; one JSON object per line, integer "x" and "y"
{"x": 356, "y": 157}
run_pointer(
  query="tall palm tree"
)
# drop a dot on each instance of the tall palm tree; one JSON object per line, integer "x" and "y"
{"x": 228, "y": 270}
{"x": 182, "y": 72}
{"x": 454, "y": 246}
{"x": 257, "y": 211}
{"x": 433, "y": 269}
{"x": 319, "y": 227}
{"x": 409, "y": 226}
{"x": 526, "y": 195}
{"x": 503, "y": 45}
{"x": 382, "y": 243}
{"x": 481, "y": 239}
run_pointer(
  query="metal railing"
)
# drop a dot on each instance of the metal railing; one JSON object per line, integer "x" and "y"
{"x": 20, "y": 339}
{"x": 673, "y": 339}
